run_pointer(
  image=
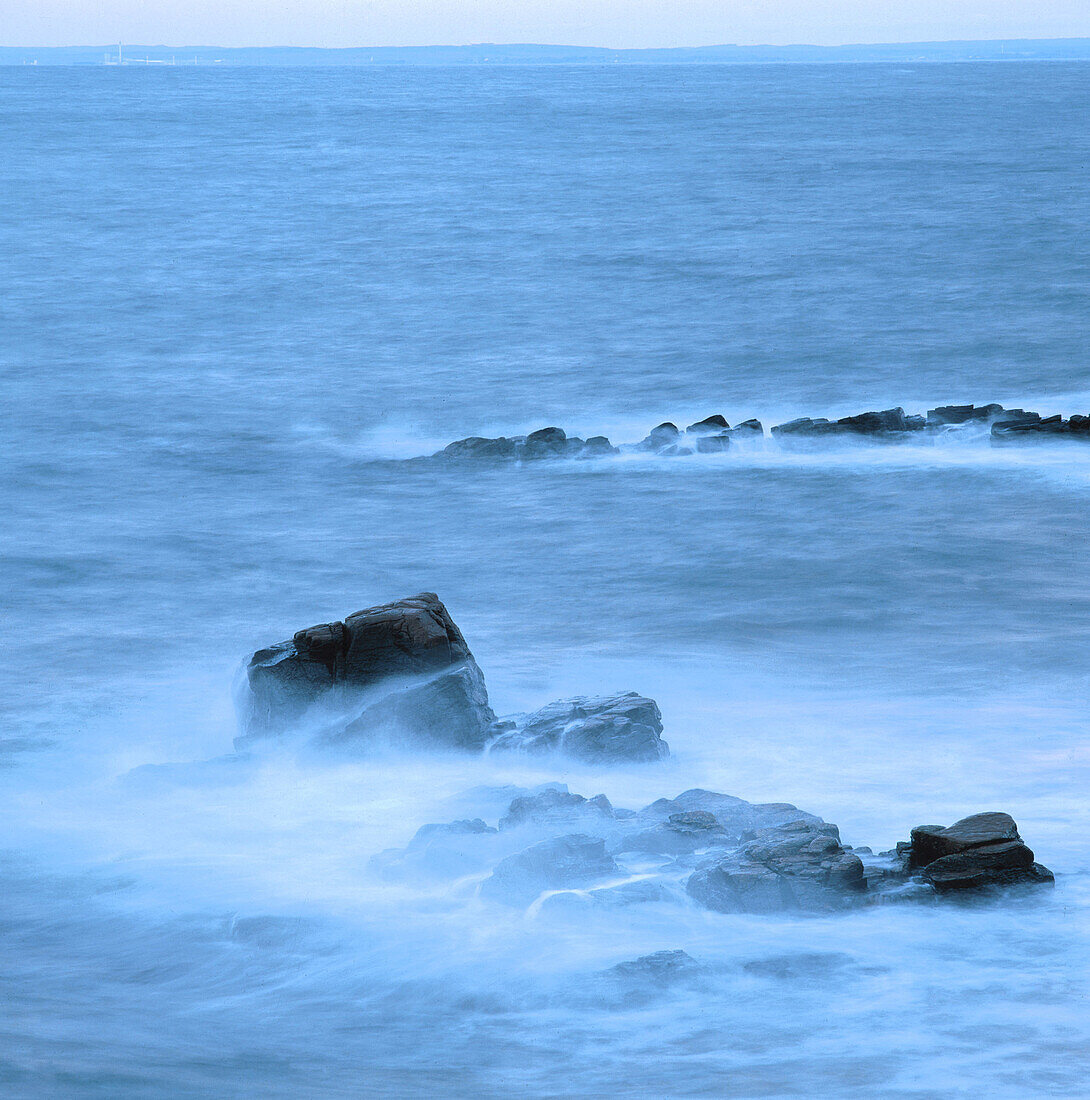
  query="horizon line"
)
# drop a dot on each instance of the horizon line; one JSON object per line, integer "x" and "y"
{"x": 563, "y": 45}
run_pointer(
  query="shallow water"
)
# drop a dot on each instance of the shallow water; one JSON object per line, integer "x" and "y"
{"x": 233, "y": 301}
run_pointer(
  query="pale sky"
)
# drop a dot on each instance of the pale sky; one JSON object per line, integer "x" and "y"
{"x": 616, "y": 23}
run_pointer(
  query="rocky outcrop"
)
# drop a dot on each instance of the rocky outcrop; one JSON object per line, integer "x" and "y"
{"x": 983, "y": 850}
{"x": 401, "y": 671}
{"x": 625, "y": 726}
{"x": 564, "y": 853}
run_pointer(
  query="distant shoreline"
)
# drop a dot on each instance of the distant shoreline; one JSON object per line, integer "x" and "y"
{"x": 1052, "y": 49}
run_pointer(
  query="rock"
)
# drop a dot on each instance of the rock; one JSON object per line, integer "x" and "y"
{"x": 800, "y": 866}
{"x": 478, "y": 447}
{"x": 713, "y": 444}
{"x": 400, "y": 670}
{"x": 675, "y": 451}
{"x": 663, "y": 436}
{"x": 962, "y": 414}
{"x": 680, "y": 834}
{"x": 657, "y": 966}
{"x": 549, "y": 443}
{"x": 561, "y": 863}
{"x": 554, "y": 807}
{"x": 625, "y": 726}
{"x": 597, "y": 445}
{"x": 931, "y": 842}
{"x": 1033, "y": 428}
{"x": 710, "y": 425}
{"x": 441, "y": 851}
{"x": 889, "y": 423}
{"x": 983, "y": 850}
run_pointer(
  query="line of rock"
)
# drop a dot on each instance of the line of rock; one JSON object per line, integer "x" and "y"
{"x": 714, "y": 435}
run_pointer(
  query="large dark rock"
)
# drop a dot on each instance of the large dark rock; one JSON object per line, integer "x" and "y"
{"x": 625, "y": 726}
{"x": 565, "y": 862}
{"x": 983, "y": 850}
{"x": 549, "y": 443}
{"x": 401, "y": 670}
{"x": 710, "y": 425}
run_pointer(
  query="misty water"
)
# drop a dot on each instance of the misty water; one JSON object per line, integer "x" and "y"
{"x": 234, "y": 302}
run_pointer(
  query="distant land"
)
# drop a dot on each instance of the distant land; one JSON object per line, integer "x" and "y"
{"x": 1022, "y": 49}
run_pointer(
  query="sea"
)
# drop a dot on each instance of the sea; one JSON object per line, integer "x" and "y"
{"x": 234, "y": 305}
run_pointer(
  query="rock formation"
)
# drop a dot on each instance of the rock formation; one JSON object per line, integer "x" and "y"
{"x": 401, "y": 670}
{"x": 402, "y": 674}
{"x": 568, "y": 852}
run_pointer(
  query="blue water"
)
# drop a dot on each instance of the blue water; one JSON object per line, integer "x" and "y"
{"x": 234, "y": 301}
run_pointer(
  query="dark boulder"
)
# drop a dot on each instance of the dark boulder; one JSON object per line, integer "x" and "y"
{"x": 665, "y": 435}
{"x": 625, "y": 726}
{"x": 400, "y": 670}
{"x": 479, "y": 447}
{"x": 565, "y": 862}
{"x": 597, "y": 445}
{"x": 983, "y": 850}
{"x": 872, "y": 423}
{"x": 748, "y": 428}
{"x": 549, "y": 443}
{"x": 710, "y": 425}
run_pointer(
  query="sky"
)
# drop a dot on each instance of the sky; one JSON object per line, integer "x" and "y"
{"x": 615, "y": 23}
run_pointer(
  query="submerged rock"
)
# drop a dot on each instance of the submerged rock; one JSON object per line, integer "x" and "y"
{"x": 626, "y": 726}
{"x": 400, "y": 670}
{"x": 713, "y": 444}
{"x": 561, "y": 863}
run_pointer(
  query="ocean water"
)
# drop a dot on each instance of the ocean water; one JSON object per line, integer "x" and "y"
{"x": 234, "y": 302}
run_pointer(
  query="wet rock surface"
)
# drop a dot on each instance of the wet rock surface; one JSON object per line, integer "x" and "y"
{"x": 565, "y": 854}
